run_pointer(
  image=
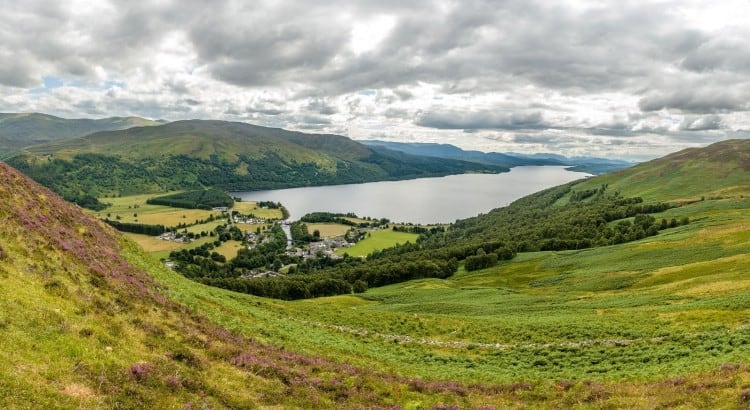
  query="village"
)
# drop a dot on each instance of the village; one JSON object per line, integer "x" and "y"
{"x": 271, "y": 247}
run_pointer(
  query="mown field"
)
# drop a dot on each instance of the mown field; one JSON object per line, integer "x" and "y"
{"x": 621, "y": 318}
{"x": 134, "y": 209}
{"x": 376, "y": 240}
{"x": 328, "y": 230}
{"x": 250, "y": 207}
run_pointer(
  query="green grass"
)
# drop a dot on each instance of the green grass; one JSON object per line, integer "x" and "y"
{"x": 717, "y": 170}
{"x": 634, "y": 312}
{"x": 377, "y": 240}
{"x": 229, "y": 249}
{"x": 328, "y": 230}
{"x": 134, "y": 209}
{"x": 250, "y": 207}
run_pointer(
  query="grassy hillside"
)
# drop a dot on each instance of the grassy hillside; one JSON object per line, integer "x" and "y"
{"x": 88, "y": 321}
{"x": 226, "y": 155}
{"x": 660, "y": 322}
{"x": 18, "y": 131}
{"x": 721, "y": 169}
{"x": 83, "y": 327}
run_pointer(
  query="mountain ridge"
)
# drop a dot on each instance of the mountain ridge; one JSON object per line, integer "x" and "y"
{"x": 235, "y": 156}
{"x": 592, "y": 165}
{"x": 21, "y": 130}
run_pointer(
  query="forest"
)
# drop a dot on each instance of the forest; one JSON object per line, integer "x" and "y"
{"x": 196, "y": 199}
{"x": 87, "y": 176}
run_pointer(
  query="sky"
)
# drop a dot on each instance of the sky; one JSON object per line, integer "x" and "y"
{"x": 617, "y": 79}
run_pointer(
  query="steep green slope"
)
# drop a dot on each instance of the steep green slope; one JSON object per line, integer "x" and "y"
{"x": 83, "y": 327}
{"x": 18, "y": 131}
{"x": 720, "y": 169}
{"x": 225, "y": 155}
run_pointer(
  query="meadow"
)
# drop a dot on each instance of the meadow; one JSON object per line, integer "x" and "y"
{"x": 328, "y": 230}
{"x": 378, "y": 239}
{"x": 134, "y": 209}
{"x": 633, "y": 312}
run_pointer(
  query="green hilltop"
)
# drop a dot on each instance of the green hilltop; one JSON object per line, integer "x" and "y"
{"x": 21, "y": 130}
{"x": 659, "y": 321}
{"x": 226, "y": 155}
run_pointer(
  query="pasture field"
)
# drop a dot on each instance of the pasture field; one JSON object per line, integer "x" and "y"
{"x": 229, "y": 249}
{"x": 328, "y": 230}
{"x": 161, "y": 249}
{"x": 624, "y": 315}
{"x": 250, "y": 207}
{"x": 376, "y": 240}
{"x": 134, "y": 209}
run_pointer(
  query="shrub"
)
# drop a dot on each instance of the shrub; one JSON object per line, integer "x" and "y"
{"x": 141, "y": 371}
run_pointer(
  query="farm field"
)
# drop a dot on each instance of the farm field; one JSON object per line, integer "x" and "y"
{"x": 380, "y": 239}
{"x": 229, "y": 249}
{"x": 134, "y": 209}
{"x": 250, "y": 207}
{"x": 161, "y": 249}
{"x": 328, "y": 230}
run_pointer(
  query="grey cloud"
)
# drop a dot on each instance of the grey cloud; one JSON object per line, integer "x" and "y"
{"x": 266, "y": 111}
{"x": 707, "y": 100}
{"x": 314, "y": 120}
{"x": 481, "y": 120}
{"x": 546, "y": 53}
{"x": 322, "y": 106}
{"x": 17, "y": 73}
{"x": 730, "y": 52}
{"x": 403, "y": 94}
{"x": 396, "y": 113}
{"x": 709, "y": 122}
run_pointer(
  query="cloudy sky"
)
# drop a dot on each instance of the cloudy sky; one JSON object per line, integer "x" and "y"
{"x": 609, "y": 78}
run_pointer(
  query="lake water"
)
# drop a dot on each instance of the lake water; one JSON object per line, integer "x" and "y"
{"x": 423, "y": 200}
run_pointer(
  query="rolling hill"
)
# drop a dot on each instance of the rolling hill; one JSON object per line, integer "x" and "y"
{"x": 225, "y": 155}
{"x": 89, "y": 321}
{"x": 18, "y": 131}
{"x": 717, "y": 170}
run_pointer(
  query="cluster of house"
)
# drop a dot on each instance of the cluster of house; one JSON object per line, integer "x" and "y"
{"x": 266, "y": 274}
{"x": 326, "y": 247}
{"x": 174, "y": 237}
{"x": 244, "y": 219}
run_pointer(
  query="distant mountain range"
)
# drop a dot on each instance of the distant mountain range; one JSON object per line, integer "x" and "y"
{"x": 18, "y": 131}
{"x": 226, "y": 155}
{"x": 83, "y": 159}
{"x": 591, "y": 165}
